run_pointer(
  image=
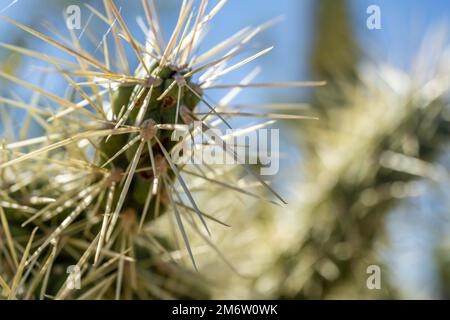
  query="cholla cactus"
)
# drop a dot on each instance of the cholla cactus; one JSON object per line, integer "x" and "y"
{"x": 364, "y": 157}
{"x": 388, "y": 136}
{"x": 89, "y": 191}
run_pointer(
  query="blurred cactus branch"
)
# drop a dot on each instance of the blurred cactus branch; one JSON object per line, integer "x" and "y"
{"x": 380, "y": 132}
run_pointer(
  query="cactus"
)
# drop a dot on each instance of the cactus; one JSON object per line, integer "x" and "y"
{"x": 88, "y": 193}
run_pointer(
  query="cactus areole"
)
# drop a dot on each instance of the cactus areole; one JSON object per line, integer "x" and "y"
{"x": 159, "y": 97}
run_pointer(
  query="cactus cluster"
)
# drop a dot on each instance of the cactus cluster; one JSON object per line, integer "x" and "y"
{"x": 87, "y": 193}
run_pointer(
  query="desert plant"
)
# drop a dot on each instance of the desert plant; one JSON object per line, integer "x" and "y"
{"x": 380, "y": 134}
{"x": 90, "y": 192}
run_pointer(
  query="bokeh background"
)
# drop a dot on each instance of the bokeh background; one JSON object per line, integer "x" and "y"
{"x": 366, "y": 184}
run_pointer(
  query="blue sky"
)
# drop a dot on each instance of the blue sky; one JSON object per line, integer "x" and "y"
{"x": 404, "y": 24}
